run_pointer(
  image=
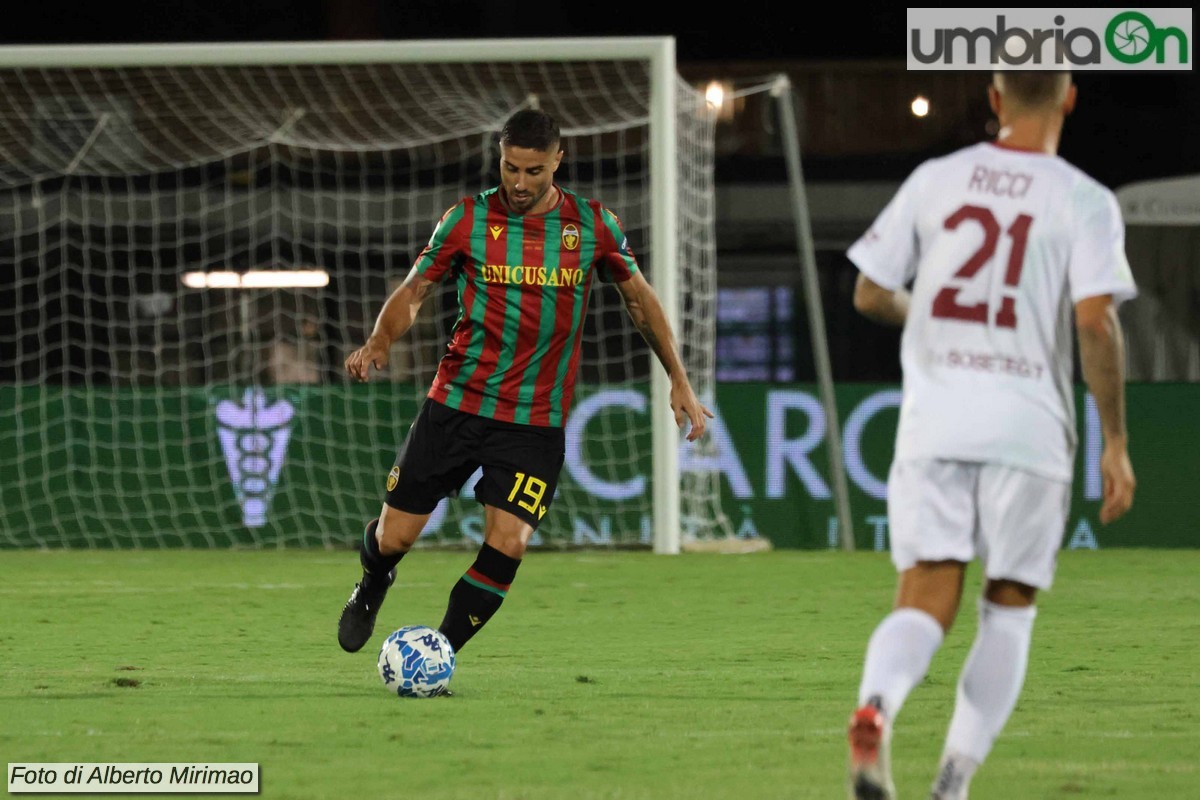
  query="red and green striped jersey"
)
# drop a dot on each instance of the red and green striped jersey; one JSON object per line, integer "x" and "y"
{"x": 523, "y": 287}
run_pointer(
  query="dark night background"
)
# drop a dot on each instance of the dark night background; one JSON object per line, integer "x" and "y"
{"x": 1127, "y": 127}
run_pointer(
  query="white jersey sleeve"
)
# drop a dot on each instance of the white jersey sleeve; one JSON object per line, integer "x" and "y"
{"x": 887, "y": 253}
{"x": 1097, "y": 263}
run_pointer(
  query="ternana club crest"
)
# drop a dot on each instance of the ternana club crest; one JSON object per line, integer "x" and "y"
{"x": 570, "y": 236}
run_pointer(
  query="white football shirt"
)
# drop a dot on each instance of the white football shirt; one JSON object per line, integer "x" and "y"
{"x": 998, "y": 244}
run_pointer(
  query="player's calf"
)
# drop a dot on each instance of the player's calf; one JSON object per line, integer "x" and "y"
{"x": 477, "y": 595}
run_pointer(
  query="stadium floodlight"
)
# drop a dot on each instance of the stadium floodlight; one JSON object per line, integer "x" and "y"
{"x": 715, "y": 94}
{"x": 257, "y": 279}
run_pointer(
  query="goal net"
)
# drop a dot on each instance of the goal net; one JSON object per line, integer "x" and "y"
{"x": 194, "y": 238}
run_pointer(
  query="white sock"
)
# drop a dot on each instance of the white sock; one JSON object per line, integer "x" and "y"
{"x": 954, "y": 777}
{"x": 991, "y": 679}
{"x": 898, "y": 657}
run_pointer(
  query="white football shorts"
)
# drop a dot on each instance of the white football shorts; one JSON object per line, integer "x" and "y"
{"x": 1010, "y": 519}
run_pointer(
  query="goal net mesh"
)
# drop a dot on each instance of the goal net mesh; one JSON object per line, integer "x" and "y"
{"x": 140, "y": 410}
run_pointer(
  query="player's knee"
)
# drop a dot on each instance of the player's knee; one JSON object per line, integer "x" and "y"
{"x": 512, "y": 547}
{"x": 509, "y": 541}
{"x": 398, "y": 530}
{"x": 507, "y": 533}
{"x": 393, "y": 543}
{"x": 934, "y": 587}
{"x": 1010, "y": 593}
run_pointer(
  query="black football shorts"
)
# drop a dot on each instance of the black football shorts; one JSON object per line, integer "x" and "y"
{"x": 445, "y": 446}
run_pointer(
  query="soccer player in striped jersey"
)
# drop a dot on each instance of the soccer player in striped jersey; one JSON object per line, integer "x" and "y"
{"x": 1000, "y": 242}
{"x": 523, "y": 256}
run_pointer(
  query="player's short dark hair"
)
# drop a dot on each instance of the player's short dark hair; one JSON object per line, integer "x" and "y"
{"x": 1033, "y": 90}
{"x": 531, "y": 128}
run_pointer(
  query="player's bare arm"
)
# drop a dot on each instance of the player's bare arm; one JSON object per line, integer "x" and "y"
{"x": 641, "y": 301}
{"x": 1102, "y": 355}
{"x": 394, "y": 320}
{"x": 886, "y": 306}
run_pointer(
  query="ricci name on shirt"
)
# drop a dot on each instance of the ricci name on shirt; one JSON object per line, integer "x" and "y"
{"x": 999, "y": 182}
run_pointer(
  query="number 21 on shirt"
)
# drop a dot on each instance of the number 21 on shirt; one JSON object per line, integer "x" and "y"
{"x": 945, "y": 302}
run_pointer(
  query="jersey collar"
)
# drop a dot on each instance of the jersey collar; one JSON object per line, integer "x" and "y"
{"x": 503, "y": 198}
{"x": 1017, "y": 149}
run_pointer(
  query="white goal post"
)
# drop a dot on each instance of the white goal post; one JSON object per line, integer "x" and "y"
{"x": 125, "y": 165}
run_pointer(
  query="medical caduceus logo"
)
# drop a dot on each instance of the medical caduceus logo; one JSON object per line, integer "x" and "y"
{"x": 254, "y": 437}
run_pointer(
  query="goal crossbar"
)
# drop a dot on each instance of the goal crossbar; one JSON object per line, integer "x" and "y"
{"x": 232, "y": 54}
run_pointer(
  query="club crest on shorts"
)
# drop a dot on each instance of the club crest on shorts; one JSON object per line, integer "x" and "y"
{"x": 393, "y": 478}
{"x": 570, "y": 236}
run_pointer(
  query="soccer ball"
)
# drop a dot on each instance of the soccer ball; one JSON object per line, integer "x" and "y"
{"x": 416, "y": 661}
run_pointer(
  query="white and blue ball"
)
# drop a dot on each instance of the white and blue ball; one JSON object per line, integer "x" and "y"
{"x": 416, "y": 661}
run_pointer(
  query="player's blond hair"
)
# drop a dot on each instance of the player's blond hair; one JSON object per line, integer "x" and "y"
{"x": 1034, "y": 91}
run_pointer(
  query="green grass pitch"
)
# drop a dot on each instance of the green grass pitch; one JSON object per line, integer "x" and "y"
{"x": 605, "y": 675}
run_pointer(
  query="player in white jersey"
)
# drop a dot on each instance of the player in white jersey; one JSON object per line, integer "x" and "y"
{"x": 981, "y": 256}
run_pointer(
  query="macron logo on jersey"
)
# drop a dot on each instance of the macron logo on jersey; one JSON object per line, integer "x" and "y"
{"x": 516, "y": 275}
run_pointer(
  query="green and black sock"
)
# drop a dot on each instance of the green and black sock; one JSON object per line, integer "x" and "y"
{"x": 375, "y": 565}
{"x": 477, "y": 595}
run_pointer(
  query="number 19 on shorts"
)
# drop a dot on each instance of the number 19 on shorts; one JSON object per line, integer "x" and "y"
{"x": 528, "y": 492}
